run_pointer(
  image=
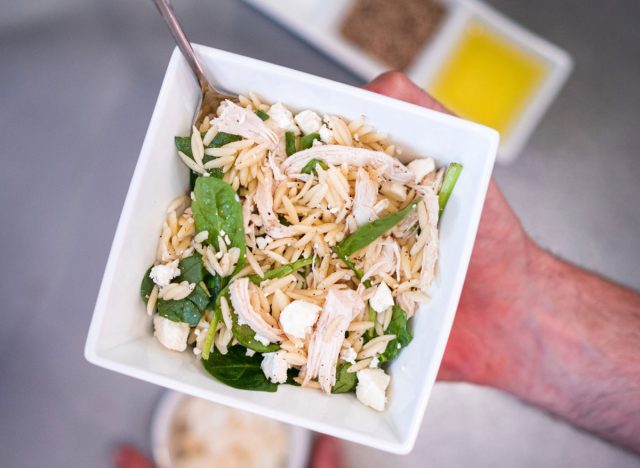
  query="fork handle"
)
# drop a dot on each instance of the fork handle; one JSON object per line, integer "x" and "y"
{"x": 166, "y": 11}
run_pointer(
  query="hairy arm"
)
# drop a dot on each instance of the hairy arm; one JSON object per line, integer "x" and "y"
{"x": 531, "y": 324}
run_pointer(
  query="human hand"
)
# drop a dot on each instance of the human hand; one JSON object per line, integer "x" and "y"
{"x": 493, "y": 298}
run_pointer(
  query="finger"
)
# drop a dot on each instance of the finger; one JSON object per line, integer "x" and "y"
{"x": 127, "y": 456}
{"x": 326, "y": 453}
{"x": 397, "y": 85}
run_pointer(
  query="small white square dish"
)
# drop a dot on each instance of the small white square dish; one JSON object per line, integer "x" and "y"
{"x": 120, "y": 337}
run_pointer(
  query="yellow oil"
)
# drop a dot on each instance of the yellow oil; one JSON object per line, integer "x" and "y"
{"x": 487, "y": 78}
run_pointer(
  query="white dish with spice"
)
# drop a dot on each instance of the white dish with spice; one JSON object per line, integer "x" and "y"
{"x": 322, "y": 23}
{"x": 120, "y": 337}
{"x": 188, "y": 431}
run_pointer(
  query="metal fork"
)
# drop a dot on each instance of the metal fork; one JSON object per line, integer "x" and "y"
{"x": 210, "y": 96}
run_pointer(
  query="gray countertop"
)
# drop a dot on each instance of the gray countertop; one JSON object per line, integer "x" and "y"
{"x": 79, "y": 83}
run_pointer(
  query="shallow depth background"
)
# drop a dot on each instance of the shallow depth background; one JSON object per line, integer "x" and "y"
{"x": 79, "y": 81}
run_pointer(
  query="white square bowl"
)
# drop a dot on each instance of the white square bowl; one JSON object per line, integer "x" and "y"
{"x": 120, "y": 337}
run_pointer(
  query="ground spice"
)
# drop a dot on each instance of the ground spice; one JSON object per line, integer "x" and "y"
{"x": 392, "y": 31}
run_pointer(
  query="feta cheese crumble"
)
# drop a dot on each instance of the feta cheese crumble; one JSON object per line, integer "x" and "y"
{"x": 275, "y": 366}
{"x": 421, "y": 167}
{"x": 308, "y": 121}
{"x": 382, "y": 298}
{"x": 349, "y": 355}
{"x": 163, "y": 274}
{"x": 283, "y": 118}
{"x": 372, "y": 388}
{"x": 326, "y": 134}
{"x": 298, "y": 317}
{"x": 172, "y": 335}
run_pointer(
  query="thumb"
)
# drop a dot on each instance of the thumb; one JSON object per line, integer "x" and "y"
{"x": 326, "y": 453}
{"x": 397, "y": 85}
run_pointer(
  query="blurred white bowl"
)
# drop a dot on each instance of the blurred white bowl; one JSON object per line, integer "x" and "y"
{"x": 162, "y": 426}
{"x": 120, "y": 337}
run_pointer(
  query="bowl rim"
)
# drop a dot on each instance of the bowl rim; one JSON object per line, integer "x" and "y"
{"x": 164, "y": 413}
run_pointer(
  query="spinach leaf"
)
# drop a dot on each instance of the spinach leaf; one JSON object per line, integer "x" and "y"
{"x": 191, "y": 269}
{"x": 282, "y": 271}
{"x": 399, "y": 327}
{"x": 223, "y": 138}
{"x": 262, "y": 114}
{"x": 345, "y": 381}
{"x": 188, "y": 310}
{"x": 369, "y": 232}
{"x": 214, "y": 285}
{"x": 290, "y": 143}
{"x": 238, "y": 370}
{"x": 146, "y": 286}
{"x": 184, "y": 144}
{"x": 291, "y": 373}
{"x": 310, "y": 167}
{"x": 219, "y": 141}
{"x": 246, "y": 337}
{"x": 193, "y": 176}
{"x": 217, "y": 208}
{"x": 448, "y": 183}
{"x": 306, "y": 141}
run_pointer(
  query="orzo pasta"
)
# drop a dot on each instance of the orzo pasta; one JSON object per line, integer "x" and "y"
{"x": 302, "y": 250}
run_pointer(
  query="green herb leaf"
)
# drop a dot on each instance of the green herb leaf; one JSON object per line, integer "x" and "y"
{"x": 238, "y": 370}
{"x": 188, "y": 310}
{"x": 214, "y": 285}
{"x": 345, "y": 381}
{"x": 146, "y": 286}
{"x": 370, "y": 333}
{"x": 262, "y": 114}
{"x": 223, "y": 138}
{"x": 448, "y": 183}
{"x": 191, "y": 269}
{"x": 246, "y": 337}
{"x": 184, "y": 144}
{"x": 193, "y": 176}
{"x": 217, "y": 208}
{"x": 306, "y": 141}
{"x": 291, "y": 373}
{"x": 399, "y": 327}
{"x": 282, "y": 271}
{"x": 310, "y": 167}
{"x": 369, "y": 232}
{"x": 290, "y": 143}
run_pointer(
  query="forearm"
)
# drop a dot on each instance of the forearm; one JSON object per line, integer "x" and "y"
{"x": 578, "y": 349}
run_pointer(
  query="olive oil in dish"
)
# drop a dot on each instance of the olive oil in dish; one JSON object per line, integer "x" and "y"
{"x": 488, "y": 78}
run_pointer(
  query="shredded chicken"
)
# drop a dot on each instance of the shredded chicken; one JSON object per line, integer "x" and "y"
{"x": 406, "y": 226}
{"x": 365, "y": 198}
{"x": 430, "y": 251}
{"x": 406, "y": 303}
{"x": 387, "y": 255}
{"x": 358, "y": 157}
{"x": 239, "y": 294}
{"x": 340, "y": 307}
{"x": 264, "y": 202}
{"x": 240, "y": 121}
